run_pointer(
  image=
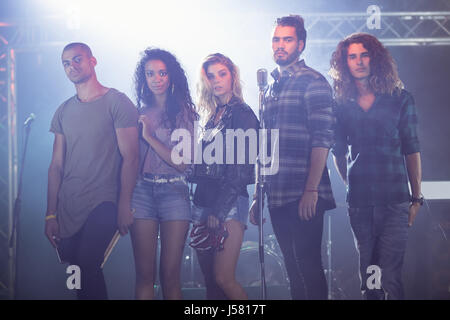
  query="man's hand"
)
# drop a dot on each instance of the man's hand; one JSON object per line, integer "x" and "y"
{"x": 254, "y": 212}
{"x": 413, "y": 211}
{"x": 124, "y": 219}
{"x": 52, "y": 231}
{"x": 307, "y": 205}
{"x": 127, "y": 140}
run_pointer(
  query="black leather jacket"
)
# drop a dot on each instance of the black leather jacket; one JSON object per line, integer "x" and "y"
{"x": 236, "y": 177}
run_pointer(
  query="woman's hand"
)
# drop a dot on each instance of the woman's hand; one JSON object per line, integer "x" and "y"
{"x": 147, "y": 129}
{"x": 125, "y": 218}
{"x": 212, "y": 222}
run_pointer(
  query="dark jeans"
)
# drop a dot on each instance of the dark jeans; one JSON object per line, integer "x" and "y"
{"x": 381, "y": 234}
{"x": 87, "y": 247}
{"x": 301, "y": 242}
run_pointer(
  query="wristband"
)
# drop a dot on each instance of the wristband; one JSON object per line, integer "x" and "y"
{"x": 417, "y": 200}
{"x": 50, "y": 216}
{"x": 311, "y": 190}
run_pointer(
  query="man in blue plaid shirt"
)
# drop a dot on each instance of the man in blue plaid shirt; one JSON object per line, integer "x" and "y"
{"x": 299, "y": 104}
{"x": 376, "y": 136}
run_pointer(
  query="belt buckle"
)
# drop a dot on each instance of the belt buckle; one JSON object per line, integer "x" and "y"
{"x": 160, "y": 179}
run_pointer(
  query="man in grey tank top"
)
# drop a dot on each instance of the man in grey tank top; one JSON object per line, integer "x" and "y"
{"x": 92, "y": 172}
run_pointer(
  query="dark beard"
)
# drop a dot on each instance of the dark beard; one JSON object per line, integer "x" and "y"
{"x": 290, "y": 58}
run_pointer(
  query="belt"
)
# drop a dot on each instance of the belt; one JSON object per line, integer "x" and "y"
{"x": 162, "y": 178}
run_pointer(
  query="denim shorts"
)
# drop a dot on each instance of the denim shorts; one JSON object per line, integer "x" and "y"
{"x": 238, "y": 212}
{"x": 161, "y": 201}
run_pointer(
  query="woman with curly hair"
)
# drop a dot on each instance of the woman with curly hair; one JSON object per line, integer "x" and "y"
{"x": 161, "y": 196}
{"x": 376, "y": 153}
{"x": 221, "y": 200}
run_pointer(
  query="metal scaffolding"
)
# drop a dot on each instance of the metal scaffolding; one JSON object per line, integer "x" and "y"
{"x": 15, "y": 37}
{"x": 324, "y": 29}
{"x": 395, "y": 28}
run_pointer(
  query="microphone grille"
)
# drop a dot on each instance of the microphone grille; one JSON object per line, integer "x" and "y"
{"x": 261, "y": 76}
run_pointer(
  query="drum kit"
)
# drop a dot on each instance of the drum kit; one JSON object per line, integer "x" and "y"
{"x": 247, "y": 270}
{"x": 248, "y": 267}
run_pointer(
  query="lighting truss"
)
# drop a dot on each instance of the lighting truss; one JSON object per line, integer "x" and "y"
{"x": 396, "y": 28}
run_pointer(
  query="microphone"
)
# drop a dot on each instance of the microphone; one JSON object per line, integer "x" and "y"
{"x": 261, "y": 76}
{"x": 141, "y": 111}
{"x": 30, "y": 119}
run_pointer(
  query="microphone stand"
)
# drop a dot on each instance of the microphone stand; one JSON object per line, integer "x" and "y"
{"x": 260, "y": 185}
{"x": 329, "y": 270}
{"x": 16, "y": 212}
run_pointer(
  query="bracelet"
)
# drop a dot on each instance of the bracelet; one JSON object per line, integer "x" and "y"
{"x": 50, "y": 216}
{"x": 417, "y": 200}
{"x": 311, "y": 190}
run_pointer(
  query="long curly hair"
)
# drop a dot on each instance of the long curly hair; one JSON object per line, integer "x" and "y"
{"x": 207, "y": 102}
{"x": 178, "y": 98}
{"x": 383, "y": 77}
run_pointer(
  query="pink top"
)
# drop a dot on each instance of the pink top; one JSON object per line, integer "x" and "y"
{"x": 153, "y": 163}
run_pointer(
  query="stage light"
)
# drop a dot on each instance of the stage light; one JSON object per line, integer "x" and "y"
{"x": 73, "y": 21}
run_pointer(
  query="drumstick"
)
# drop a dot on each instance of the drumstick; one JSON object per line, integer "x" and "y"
{"x": 112, "y": 243}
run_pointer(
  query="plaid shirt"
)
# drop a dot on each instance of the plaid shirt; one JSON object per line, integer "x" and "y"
{"x": 378, "y": 140}
{"x": 299, "y": 104}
